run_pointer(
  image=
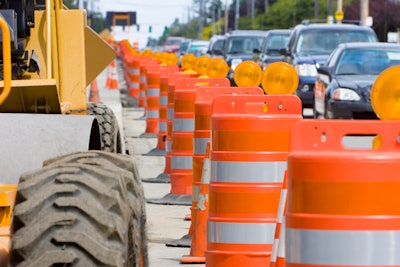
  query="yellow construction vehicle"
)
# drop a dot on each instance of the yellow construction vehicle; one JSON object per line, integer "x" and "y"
{"x": 79, "y": 199}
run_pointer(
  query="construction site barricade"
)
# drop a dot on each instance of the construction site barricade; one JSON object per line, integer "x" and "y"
{"x": 183, "y": 130}
{"x": 133, "y": 75}
{"x": 152, "y": 99}
{"x": 342, "y": 207}
{"x": 165, "y": 72}
{"x": 250, "y": 144}
{"x": 201, "y": 136}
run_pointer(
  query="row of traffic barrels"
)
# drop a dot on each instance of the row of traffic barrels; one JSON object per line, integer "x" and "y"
{"x": 341, "y": 207}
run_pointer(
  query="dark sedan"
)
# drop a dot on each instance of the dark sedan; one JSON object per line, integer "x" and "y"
{"x": 343, "y": 84}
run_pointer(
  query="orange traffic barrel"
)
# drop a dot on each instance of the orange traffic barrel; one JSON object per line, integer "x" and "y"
{"x": 183, "y": 130}
{"x": 201, "y": 138}
{"x": 165, "y": 72}
{"x": 152, "y": 99}
{"x": 142, "y": 85}
{"x": 170, "y": 198}
{"x": 343, "y": 183}
{"x": 133, "y": 76}
{"x": 250, "y": 143}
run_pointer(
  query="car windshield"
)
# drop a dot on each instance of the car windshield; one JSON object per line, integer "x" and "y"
{"x": 326, "y": 40}
{"x": 276, "y": 42}
{"x": 243, "y": 44}
{"x": 368, "y": 61}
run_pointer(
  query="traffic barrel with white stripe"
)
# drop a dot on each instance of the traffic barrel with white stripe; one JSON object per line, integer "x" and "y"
{"x": 165, "y": 72}
{"x": 201, "y": 135}
{"x": 343, "y": 184}
{"x": 183, "y": 130}
{"x": 152, "y": 99}
{"x": 250, "y": 144}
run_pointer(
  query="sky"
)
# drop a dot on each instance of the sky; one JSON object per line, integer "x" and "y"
{"x": 155, "y": 13}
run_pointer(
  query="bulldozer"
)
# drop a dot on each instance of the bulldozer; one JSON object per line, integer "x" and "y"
{"x": 69, "y": 195}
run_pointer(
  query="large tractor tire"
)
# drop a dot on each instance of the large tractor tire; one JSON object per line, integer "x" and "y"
{"x": 108, "y": 126}
{"x": 83, "y": 209}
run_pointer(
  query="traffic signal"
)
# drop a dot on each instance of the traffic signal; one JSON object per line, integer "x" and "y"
{"x": 150, "y": 29}
{"x": 138, "y": 27}
{"x": 165, "y": 29}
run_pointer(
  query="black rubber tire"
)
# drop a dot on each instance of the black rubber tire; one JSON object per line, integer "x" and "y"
{"x": 81, "y": 209}
{"x": 108, "y": 124}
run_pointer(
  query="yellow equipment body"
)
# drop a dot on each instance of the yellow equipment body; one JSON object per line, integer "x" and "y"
{"x": 41, "y": 114}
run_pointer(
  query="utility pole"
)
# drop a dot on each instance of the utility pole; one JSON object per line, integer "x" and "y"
{"x": 237, "y": 15}
{"x": 252, "y": 9}
{"x": 330, "y": 11}
{"x": 364, "y": 12}
{"x": 226, "y": 16}
{"x": 316, "y": 9}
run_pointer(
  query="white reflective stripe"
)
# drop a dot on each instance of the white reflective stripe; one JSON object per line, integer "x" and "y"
{"x": 141, "y": 93}
{"x": 164, "y": 100}
{"x": 152, "y": 114}
{"x": 170, "y": 114}
{"x": 282, "y": 204}
{"x": 183, "y": 125}
{"x": 200, "y": 145}
{"x": 195, "y": 193}
{"x": 162, "y": 126}
{"x": 353, "y": 247}
{"x": 240, "y": 233}
{"x": 281, "y": 245}
{"x": 274, "y": 252}
{"x": 168, "y": 145}
{"x": 153, "y": 91}
{"x": 134, "y": 71}
{"x": 235, "y": 171}
{"x": 206, "y": 172}
{"x": 134, "y": 85}
{"x": 181, "y": 162}
{"x": 142, "y": 78}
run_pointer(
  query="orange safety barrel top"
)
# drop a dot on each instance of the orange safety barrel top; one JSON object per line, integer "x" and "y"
{"x": 343, "y": 184}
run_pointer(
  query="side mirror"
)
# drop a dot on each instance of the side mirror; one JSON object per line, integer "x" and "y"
{"x": 218, "y": 52}
{"x": 284, "y": 52}
{"x": 324, "y": 70}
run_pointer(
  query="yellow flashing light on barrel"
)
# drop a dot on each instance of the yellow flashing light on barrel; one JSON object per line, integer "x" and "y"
{"x": 217, "y": 68}
{"x": 279, "y": 78}
{"x": 385, "y": 94}
{"x": 247, "y": 73}
{"x": 201, "y": 65}
{"x": 188, "y": 62}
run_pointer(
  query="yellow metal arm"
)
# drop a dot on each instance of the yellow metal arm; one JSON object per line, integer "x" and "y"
{"x": 6, "y": 59}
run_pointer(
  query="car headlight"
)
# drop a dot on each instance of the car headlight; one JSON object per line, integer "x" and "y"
{"x": 345, "y": 94}
{"x": 306, "y": 70}
{"x": 235, "y": 62}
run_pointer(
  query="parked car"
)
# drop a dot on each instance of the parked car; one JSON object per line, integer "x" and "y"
{"x": 216, "y": 46}
{"x": 195, "y": 47}
{"x": 183, "y": 47}
{"x": 274, "y": 41}
{"x": 239, "y": 46}
{"x": 172, "y": 44}
{"x": 343, "y": 85}
{"x": 198, "y": 47}
{"x": 310, "y": 45}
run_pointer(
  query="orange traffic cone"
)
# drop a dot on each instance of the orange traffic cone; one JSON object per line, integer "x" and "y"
{"x": 112, "y": 79}
{"x": 277, "y": 255}
{"x": 94, "y": 92}
{"x": 199, "y": 233}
